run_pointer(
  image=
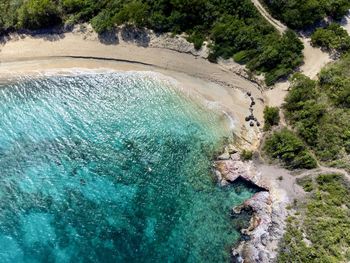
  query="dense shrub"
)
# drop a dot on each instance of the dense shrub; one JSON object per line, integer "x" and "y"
{"x": 102, "y": 22}
{"x": 306, "y": 183}
{"x": 285, "y": 146}
{"x": 298, "y": 14}
{"x": 319, "y": 111}
{"x": 333, "y": 37}
{"x": 335, "y": 82}
{"x": 34, "y": 14}
{"x": 246, "y": 155}
{"x": 324, "y": 223}
{"x": 271, "y": 117}
{"x": 197, "y": 39}
{"x": 302, "y": 89}
{"x": 8, "y": 14}
{"x": 134, "y": 12}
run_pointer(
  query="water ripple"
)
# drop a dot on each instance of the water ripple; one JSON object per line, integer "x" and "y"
{"x": 111, "y": 167}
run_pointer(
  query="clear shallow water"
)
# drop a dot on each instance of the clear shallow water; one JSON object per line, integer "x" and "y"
{"x": 110, "y": 167}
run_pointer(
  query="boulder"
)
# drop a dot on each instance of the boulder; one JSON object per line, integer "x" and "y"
{"x": 224, "y": 156}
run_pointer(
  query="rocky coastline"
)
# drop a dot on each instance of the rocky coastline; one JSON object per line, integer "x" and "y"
{"x": 268, "y": 207}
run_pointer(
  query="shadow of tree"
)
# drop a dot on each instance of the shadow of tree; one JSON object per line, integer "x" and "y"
{"x": 109, "y": 37}
{"x": 54, "y": 34}
{"x": 48, "y": 34}
{"x": 137, "y": 36}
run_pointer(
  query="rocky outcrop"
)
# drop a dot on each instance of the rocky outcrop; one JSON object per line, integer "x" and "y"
{"x": 268, "y": 208}
{"x": 230, "y": 167}
{"x": 177, "y": 43}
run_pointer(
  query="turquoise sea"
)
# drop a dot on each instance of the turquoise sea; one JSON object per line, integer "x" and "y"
{"x": 111, "y": 167}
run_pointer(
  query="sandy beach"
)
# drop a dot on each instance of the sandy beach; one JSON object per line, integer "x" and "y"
{"x": 212, "y": 84}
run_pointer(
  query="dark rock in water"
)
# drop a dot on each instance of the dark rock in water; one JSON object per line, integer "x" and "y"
{"x": 74, "y": 171}
{"x": 237, "y": 259}
{"x": 249, "y": 93}
{"x": 251, "y": 124}
{"x": 245, "y": 237}
{"x": 247, "y": 118}
{"x": 258, "y": 124}
{"x": 263, "y": 239}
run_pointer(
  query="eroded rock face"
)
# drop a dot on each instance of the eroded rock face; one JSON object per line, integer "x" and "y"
{"x": 178, "y": 43}
{"x": 232, "y": 168}
{"x": 255, "y": 249}
{"x": 268, "y": 220}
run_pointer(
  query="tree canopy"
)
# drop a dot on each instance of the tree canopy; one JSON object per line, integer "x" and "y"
{"x": 332, "y": 38}
{"x": 298, "y": 14}
{"x": 319, "y": 111}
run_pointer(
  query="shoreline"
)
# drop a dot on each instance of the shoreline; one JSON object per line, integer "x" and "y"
{"x": 215, "y": 84}
{"x": 22, "y": 54}
{"x": 139, "y": 46}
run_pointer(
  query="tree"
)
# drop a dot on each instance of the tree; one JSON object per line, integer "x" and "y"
{"x": 285, "y": 146}
{"x": 271, "y": 117}
{"x": 134, "y": 12}
{"x": 35, "y": 14}
{"x": 333, "y": 37}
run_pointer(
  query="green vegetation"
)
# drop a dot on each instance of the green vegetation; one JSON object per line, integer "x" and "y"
{"x": 302, "y": 108}
{"x": 333, "y": 37}
{"x": 34, "y": 14}
{"x": 236, "y": 28}
{"x": 275, "y": 56}
{"x": 319, "y": 111}
{"x": 306, "y": 183}
{"x": 298, "y": 14}
{"x": 271, "y": 117}
{"x": 324, "y": 222}
{"x": 335, "y": 82}
{"x": 246, "y": 155}
{"x": 285, "y": 146}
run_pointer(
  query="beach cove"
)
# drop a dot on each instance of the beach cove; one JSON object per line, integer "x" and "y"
{"x": 221, "y": 88}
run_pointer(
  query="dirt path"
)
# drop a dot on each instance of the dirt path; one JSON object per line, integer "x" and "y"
{"x": 324, "y": 170}
{"x": 314, "y": 58}
{"x": 277, "y": 24}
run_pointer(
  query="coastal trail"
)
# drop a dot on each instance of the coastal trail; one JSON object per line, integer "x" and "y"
{"x": 324, "y": 170}
{"x": 314, "y": 58}
{"x": 277, "y": 24}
